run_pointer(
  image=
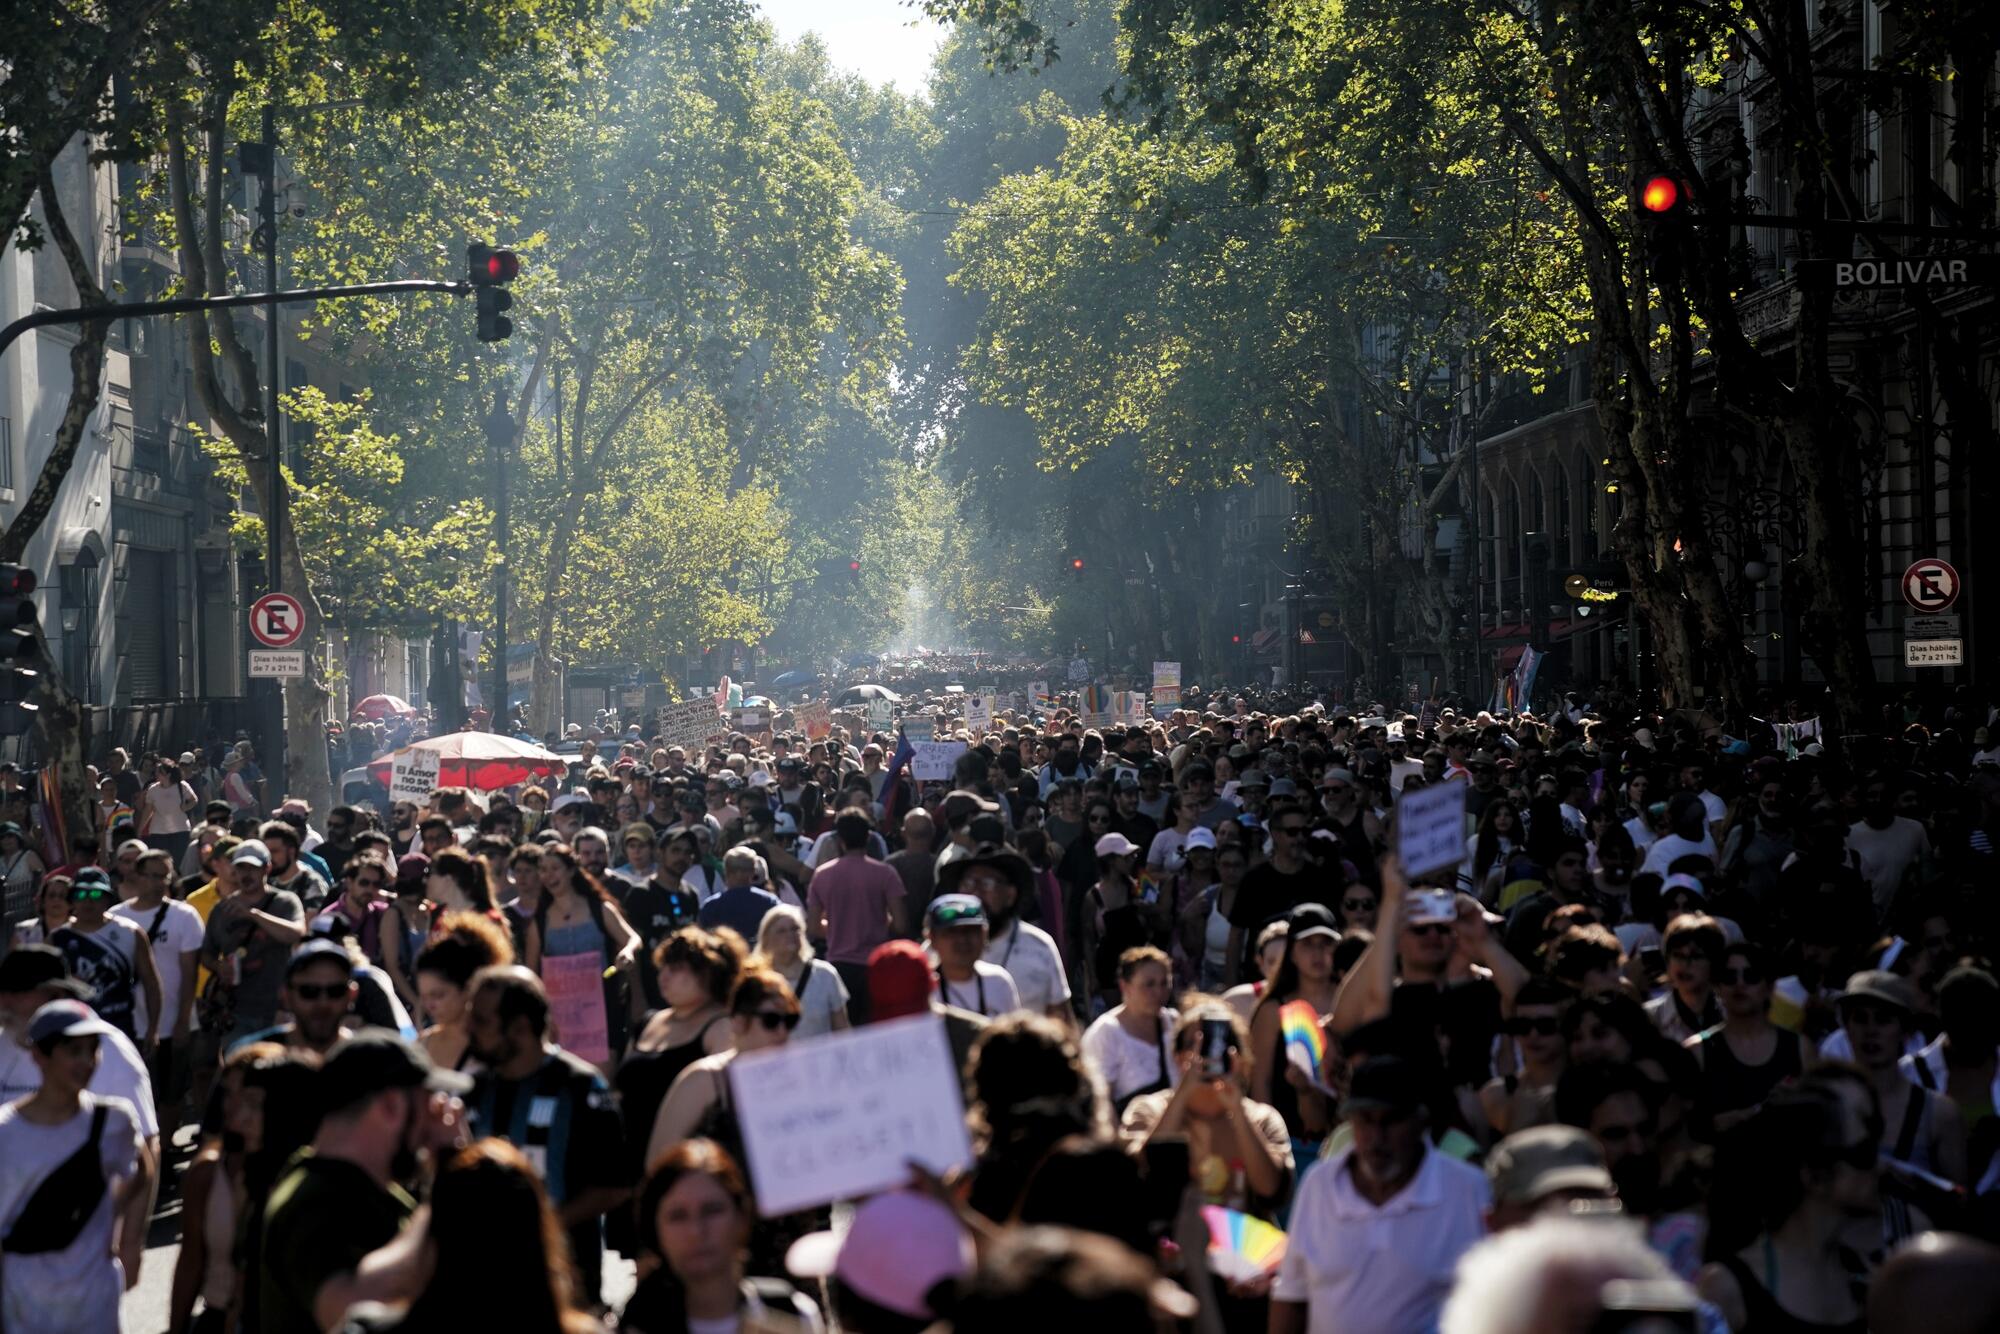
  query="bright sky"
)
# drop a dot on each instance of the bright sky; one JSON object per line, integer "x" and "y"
{"x": 885, "y": 41}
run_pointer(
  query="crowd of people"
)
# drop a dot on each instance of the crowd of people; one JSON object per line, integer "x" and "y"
{"x": 1699, "y": 1034}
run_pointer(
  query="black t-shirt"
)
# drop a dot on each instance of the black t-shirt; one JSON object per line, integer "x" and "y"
{"x": 323, "y": 1216}
{"x": 656, "y": 911}
{"x": 1267, "y": 893}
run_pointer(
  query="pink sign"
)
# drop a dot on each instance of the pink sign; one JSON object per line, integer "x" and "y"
{"x": 575, "y": 983}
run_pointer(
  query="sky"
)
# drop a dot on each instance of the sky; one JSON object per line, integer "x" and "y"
{"x": 882, "y": 40}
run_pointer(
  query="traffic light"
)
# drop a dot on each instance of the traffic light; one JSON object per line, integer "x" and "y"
{"x": 489, "y": 271}
{"x": 20, "y": 650}
{"x": 1076, "y": 567}
{"x": 854, "y": 568}
{"x": 1662, "y": 198}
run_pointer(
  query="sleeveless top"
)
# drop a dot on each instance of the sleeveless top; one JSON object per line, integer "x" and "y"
{"x": 642, "y": 1082}
{"x": 1354, "y": 844}
{"x": 106, "y": 960}
{"x": 1727, "y": 1084}
{"x": 1763, "y": 1315}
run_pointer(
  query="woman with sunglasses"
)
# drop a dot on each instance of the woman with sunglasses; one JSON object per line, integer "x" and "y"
{"x": 1801, "y": 1176}
{"x": 1358, "y": 908}
{"x": 1746, "y": 1056}
{"x": 1306, "y": 973}
{"x": 1527, "y": 1097}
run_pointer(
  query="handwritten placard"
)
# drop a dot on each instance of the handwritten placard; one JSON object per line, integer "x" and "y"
{"x": 918, "y": 730}
{"x": 1167, "y": 675}
{"x": 978, "y": 712}
{"x": 816, "y": 720}
{"x": 690, "y": 723}
{"x": 1430, "y": 828}
{"x": 413, "y": 775}
{"x": 933, "y": 761}
{"x": 844, "y": 1115}
{"x": 575, "y": 983}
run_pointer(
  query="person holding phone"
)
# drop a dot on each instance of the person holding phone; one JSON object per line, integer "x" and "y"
{"x": 1239, "y": 1152}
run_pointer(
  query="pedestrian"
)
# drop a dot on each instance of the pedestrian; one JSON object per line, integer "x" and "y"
{"x": 465, "y": 944}
{"x": 1130, "y": 1046}
{"x": 174, "y": 934}
{"x": 75, "y": 1185}
{"x": 894, "y": 1270}
{"x": 113, "y": 957}
{"x": 1305, "y": 973}
{"x": 249, "y": 940}
{"x": 820, "y": 990}
{"x": 956, "y": 929}
{"x": 740, "y": 905}
{"x": 1004, "y": 881}
{"x": 164, "y": 810}
{"x": 854, "y": 903}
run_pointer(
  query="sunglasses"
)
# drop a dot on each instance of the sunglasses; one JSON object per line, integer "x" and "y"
{"x": 86, "y": 895}
{"x": 1541, "y": 1025}
{"x": 1429, "y": 929}
{"x": 958, "y": 915}
{"x": 1748, "y": 977}
{"x": 368, "y": 882}
{"x": 773, "y": 1021}
{"x": 1357, "y": 905}
{"x": 308, "y": 991}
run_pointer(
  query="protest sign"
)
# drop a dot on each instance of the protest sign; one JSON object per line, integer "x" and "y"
{"x": 690, "y": 723}
{"x": 816, "y": 720}
{"x": 575, "y": 983}
{"x": 751, "y": 720}
{"x": 1430, "y": 828}
{"x": 919, "y": 729}
{"x": 1128, "y": 706}
{"x": 881, "y": 715}
{"x": 1166, "y": 674}
{"x": 978, "y": 712}
{"x": 933, "y": 760}
{"x": 1094, "y": 703}
{"x": 413, "y": 775}
{"x": 1038, "y": 694}
{"x": 845, "y": 1114}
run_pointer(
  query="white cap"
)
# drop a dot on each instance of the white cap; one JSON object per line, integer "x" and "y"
{"x": 1197, "y": 838}
{"x": 1116, "y": 845}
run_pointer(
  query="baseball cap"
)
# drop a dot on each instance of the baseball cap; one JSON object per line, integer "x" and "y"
{"x": 1197, "y": 838}
{"x": 956, "y": 910}
{"x": 135, "y": 847}
{"x": 91, "y": 878}
{"x": 412, "y": 868}
{"x": 1311, "y": 919}
{"x": 898, "y": 1247}
{"x": 1534, "y": 1163}
{"x": 251, "y": 850}
{"x": 568, "y": 799}
{"x": 1682, "y": 880}
{"x": 1333, "y": 776}
{"x": 1390, "y": 1082}
{"x": 26, "y": 967}
{"x": 1116, "y": 845}
{"x": 66, "y": 1019}
{"x": 375, "y": 1060}
{"x": 1879, "y": 984}
{"x": 899, "y": 980}
{"x": 961, "y": 804}
{"x": 638, "y": 829}
{"x": 313, "y": 951}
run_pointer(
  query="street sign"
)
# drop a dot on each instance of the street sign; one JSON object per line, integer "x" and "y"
{"x": 278, "y": 664}
{"x": 1934, "y": 653}
{"x": 1931, "y": 627}
{"x": 1909, "y": 271}
{"x": 277, "y": 620}
{"x": 1930, "y": 584}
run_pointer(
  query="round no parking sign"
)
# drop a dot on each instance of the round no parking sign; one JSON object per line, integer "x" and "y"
{"x": 1930, "y": 584}
{"x": 277, "y": 620}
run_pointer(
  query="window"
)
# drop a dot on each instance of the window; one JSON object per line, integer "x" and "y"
{"x": 79, "y": 625}
{"x": 6, "y": 453}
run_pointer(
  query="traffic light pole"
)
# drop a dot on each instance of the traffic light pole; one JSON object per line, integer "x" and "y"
{"x": 274, "y": 508}
{"x": 499, "y": 434}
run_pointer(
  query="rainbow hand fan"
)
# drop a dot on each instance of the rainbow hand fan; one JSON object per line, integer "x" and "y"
{"x": 1305, "y": 1044}
{"x": 1241, "y": 1247}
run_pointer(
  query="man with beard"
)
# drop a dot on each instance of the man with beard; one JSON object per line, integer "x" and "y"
{"x": 342, "y": 824}
{"x": 343, "y": 1196}
{"x": 1620, "y": 1108}
{"x": 999, "y": 876}
{"x": 319, "y": 995}
{"x": 1388, "y": 1195}
{"x": 552, "y": 1106}
{"x": 287, "y": 873}
{"x": 662, "y": 906}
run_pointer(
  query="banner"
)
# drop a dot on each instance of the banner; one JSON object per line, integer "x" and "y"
{"x": 413, "y": 775}
{"x": 1128, "y": 706}
{"x": 933, "y": 761}
{"x": 815, "y": 720}
{"x": 690, "y": 723}
{"x": 575, "y": 983}
{"x": 978, "y": 713}
{"x": 844, "y": 1115}
{"x": 1167, "y": 674}
{"x": 1094, "y": 703}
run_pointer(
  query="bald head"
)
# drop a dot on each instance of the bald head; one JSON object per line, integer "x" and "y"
{"x": 1936, "y": 1283}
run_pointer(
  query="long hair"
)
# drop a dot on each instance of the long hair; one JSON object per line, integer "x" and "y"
{"x": 502, "y": 1259}
{"x": 581, "y": 882}
{"x": 1488, "y": 847}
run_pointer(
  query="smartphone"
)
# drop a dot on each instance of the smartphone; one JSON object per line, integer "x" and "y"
{"x": 1653, "y": 961}
{"x": 1218, "y": 1036}
{"x": 1647, "y": 1306}
{"x": 1430, "y": 905}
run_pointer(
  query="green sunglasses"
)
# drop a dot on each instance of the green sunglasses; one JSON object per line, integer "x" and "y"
{"x": 91, "y": 893}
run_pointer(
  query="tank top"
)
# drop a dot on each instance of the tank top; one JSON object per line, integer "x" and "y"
{"x": 218, "y": 1231}
{"x": 1354, "y": 845}
{"x": 1727, "y": 1084}
{"x": 642, "y": 1082}
{"x": 106, "y": 960}
{"x": 1763, "y": 1315}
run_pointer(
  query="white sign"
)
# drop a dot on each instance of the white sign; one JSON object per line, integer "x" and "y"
{"x": 1038, "y": 694}
{"x": 933, "y": 760}
{"x": 1430, "y": 828}
{"x": 413, "y": 775}
{"x": 751, "y": 720}
{"x": 978, "y": 712}
{"x": 881, "y": 715}
{"x": 1079, "y": 669}
{"x": 1934, "y": 653}
{"x": 1167, "y": 674}
{"x": 278, "y": 663}
{"x": 690, "y": 723}
{"x": 918, "y": 730}
{"x": 845, "y": 1114}
{"x": 1930, "y": 584}
{"x": 1128, "y": 706}
{"x": 1931, "y": 627}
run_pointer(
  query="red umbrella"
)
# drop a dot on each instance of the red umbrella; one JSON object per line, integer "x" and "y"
{"x": 377, "y": 707}
{"x": 478, "y": 760}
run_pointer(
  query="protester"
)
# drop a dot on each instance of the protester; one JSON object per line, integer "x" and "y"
{"x": 114, "y": 958}
{"x": 1130, "y": 1046}
{"x": 956, "y": 929}
{"x": 820, "y": 990}
{"x": 1004, "y": 881}
{"x": 855, "y": 902}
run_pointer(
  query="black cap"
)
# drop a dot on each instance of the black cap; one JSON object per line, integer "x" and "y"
{"x": 27, "y": 967}
{"x": 1311, "y": 919}
{"x": 376, "y": 1060}
{"x": 1388, "y": 1082}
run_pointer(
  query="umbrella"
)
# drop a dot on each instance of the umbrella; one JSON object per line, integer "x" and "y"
{"x": 758, "y": 702}
{"x": 863, "y": 693}
{"x": 478, "y": 760}
{"x": 377, "y": 707}
{"x": 784, "y": 679}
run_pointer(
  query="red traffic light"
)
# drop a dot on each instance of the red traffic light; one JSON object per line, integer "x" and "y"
{"x": 1660, "y": 194}
{"x": 854, "y": 567}
{"x": 1076, "y": 563}
{"x": 16, "y": 581}
{"x": 487, "y": 267}
{"x": 1236, "y": 639}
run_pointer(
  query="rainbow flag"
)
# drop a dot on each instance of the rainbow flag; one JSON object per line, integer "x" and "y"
{"x": 1241, "y": 1247}
{"x": 1305, "y": 1041}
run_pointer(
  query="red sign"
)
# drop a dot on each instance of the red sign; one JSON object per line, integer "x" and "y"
{"x": 277, "y": 620}
{"x": 1930, "y": 584}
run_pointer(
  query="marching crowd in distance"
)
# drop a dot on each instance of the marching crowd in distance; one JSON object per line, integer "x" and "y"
{"x": 1699, "y": 1034}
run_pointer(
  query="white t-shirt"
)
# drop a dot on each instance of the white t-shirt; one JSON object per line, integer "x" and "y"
{"x": 74, "y": 1290}
{"x": 1360, "y": 1268}
{"x": 1670, "y": 848}
{"x": 1030, "y": 957}
{"x": 1887, "y": 854}
{"x": 1166, "y": 848}
{"x": 168, "y": 808}
{"x": 1717, "y": 808}
{"x": 179, "y": 932}
{"x": 121, "y": 1073}
{"x": 825, "y": 995}
{"x": 1642, "y": 834}
{"x": 1127, "y": 1064}
{"x": 991, "y": 992}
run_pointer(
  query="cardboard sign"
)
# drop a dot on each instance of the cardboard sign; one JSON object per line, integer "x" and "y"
{"x": 934, "y": 760}
{"x": 845, "y": 1114}
{"x": 690, "y": 723}
{"x": 751, "y": 720}
{"x": 1166, "y": 674}
{"x": 1128, "y": 706}
{"x": 881, "y": 715}
{"x": 413, "y": 775}
{"x": 1038, "y": 695}
{"x": 978, "y": 712}
{"x": 575, "y": 983}
{"x": 1430, "y": 829}
{"x": 1094, "y": 703}
{"x": 918, "y": 730}
{"x": 815, "y": 720}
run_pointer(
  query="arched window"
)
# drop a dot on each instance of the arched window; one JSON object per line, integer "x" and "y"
{"x": 79, "y": 624}
{"x": 1559, "y": 526}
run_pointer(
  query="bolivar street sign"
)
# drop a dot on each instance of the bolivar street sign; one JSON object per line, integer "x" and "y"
{"x": 1901, "y": 271}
